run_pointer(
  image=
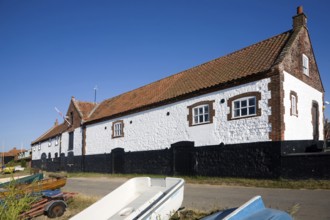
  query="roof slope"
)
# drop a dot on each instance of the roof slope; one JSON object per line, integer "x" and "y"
{"x": 251, "y": 60}
{"x": 54, "y": 131}
{"x": 12, "y": 153}
{"x": 84, "y": 108}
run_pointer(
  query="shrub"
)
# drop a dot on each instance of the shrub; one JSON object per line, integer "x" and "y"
{"x": 13, "y": 202}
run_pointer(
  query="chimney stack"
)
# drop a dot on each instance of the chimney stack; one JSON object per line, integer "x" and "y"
{"x": 56, "y": 122}
{"x": 300, "y": 19}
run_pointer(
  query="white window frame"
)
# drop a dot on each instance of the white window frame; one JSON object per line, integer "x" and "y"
{"x": 305, "y": 64}
{"x": 239, "y": 109}
{"x": 118, "y": 129}
{"x": 294, "y": 105}
{"x": 201, "y": 115}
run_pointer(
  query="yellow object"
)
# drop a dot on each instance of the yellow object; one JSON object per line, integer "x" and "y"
{"x": 8, "y": 170}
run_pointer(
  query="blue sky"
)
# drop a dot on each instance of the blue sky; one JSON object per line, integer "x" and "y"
{"x": 52, "y": 50}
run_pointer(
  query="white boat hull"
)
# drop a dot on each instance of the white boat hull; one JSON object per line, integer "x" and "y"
{"x": 138, "y": 198}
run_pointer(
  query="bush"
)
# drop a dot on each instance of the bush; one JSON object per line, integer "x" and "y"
{"x": 13, "y": 202}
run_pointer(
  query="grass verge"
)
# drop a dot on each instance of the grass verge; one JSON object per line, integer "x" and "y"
{"x": 226, "y": 181}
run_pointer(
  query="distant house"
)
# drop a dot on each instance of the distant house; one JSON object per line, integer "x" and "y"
{"x": 10, "y": 155}
{"x": 270, "y": 91}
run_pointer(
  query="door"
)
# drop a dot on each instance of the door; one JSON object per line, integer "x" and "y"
{"x": 315, "y": 120}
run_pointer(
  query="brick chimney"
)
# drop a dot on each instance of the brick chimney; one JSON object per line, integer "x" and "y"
{"x": 56, "y": 122}
{"x": 300, "y": 19}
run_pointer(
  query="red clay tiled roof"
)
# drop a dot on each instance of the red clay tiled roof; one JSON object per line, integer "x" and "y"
{"x": 251, "y": 60}
{"x": 54, "y": 131}
{"x": 12, "y": 153}
{"x": 84, "y": 108}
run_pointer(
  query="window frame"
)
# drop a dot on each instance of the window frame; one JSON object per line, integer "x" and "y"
{"x": 115, "y": 133}
{"x": 305, "y": 64}
{"x": 201, "y": 105}
{"x": 201, "y": 114}
{"x": 293, "y": 104}
{"x": 242, "y": 97}
{"x": 240, "y": 109}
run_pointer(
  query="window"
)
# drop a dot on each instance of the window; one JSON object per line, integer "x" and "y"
{"x": 201, "y": 113}
{"x": 50, "y": 142}
{"x": 71, "y": 118}
{"x": 71, "y": 141}
{"x": 39, "y": 146}
{"x": 118, "y": 129}
{"x": 244, "y": 105}
{"x": 294, "y": 102}
{"x": 56, "y": 140}
{"x": 305, "y": 65}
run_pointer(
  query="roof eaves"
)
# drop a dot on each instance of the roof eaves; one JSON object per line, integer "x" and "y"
{"x": 43, "y": 135}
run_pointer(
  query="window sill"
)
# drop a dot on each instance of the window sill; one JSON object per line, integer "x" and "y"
{"x": 206, "y": 123}
{"x": 243, "y": 117}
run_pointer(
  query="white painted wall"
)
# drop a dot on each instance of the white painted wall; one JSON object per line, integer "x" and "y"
{"x": 300, "y": 128}
{"x": 63, "y": 142}
{"x": 45, "y": 147}
{"x": 153, "y": 129}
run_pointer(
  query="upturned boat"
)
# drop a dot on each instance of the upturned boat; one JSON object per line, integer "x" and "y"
{"x": 251, "y": 210}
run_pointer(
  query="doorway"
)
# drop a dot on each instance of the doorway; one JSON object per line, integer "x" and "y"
{"x": 315, "y": 120}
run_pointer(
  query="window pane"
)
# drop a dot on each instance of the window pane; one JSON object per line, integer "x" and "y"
{"x": 200, "y": 110}
{"x": 244, "y": 103}
{"x": 236, "y": 104}
{"x": 236, "y": 113}
{"x": 206, "y": 109}
{"x": 244, "y": 111}
{"x": 201, "y": 119}
{"x": 252, "y": 101}
{"x": 207, "y": 118}
{"x": 252, "y": 110}
{"x": 195, "y": 111}
{"x": 196, "y": 119}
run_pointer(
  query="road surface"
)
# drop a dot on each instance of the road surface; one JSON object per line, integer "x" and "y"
{"x": 308, "y": 204}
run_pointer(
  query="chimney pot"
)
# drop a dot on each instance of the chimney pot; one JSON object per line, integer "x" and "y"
{"x": 300, "y": 19}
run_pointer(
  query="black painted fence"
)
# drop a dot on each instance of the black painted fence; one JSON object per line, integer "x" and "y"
{"x": 290, "y": 159}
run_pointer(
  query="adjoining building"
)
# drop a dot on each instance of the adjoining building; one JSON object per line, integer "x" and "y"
{"x": 270, "y": 92}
